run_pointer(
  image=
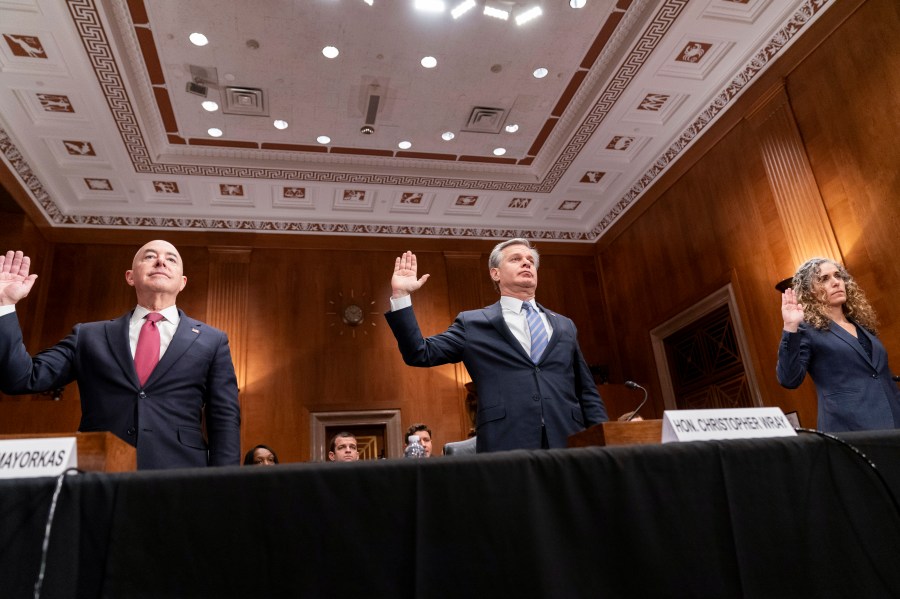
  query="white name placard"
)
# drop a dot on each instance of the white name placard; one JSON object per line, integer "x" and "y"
{"x": 731, "y": 423}
{"x": 40, "y": 456}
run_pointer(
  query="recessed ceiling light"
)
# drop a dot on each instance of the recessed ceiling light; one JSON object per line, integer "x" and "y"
{"x": 447, "y": 135}
{"x": 198, "y": 39}
{"x": 323, "y": 139}
{"x": 404, "y": 145}
{"x": 530, "y": 14}
{"x": 462, "y": 8}
{"x": 429, "y": 62}
{"x": 499, "y": 151}
{"x": 280, "y": 124}
{"x": 512, "y": 128}
{"x": 209, "y": 106}
{"x": 369, "y": 2}
{"x": 330, "y": 52}
{"x": 214, "y": 131}
{"x": 577, "y": 3}
{"x": 430, "y": 5}
{"x": 540, "y": 73}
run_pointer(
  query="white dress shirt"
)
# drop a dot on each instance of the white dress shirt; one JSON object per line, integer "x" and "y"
{"x": 166, "y": 327}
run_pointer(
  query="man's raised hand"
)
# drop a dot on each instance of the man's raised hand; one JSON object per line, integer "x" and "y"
{"x": 404, "y": 280}
{"x": 15, "y": 282}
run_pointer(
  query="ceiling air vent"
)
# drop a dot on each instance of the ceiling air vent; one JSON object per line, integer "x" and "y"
{"x": 246, "y": 101}
{"x": 483, "y": 119}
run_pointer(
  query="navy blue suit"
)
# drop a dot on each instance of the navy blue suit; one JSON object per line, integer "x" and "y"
{"x": 515, "y": 395}
{"x": 854, "y": 392}
{"x": 162, "y": 418}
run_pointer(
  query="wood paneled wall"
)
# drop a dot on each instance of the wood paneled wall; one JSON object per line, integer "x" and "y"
{"x": 719, "y": 222}
{"x": 711, "y": 221}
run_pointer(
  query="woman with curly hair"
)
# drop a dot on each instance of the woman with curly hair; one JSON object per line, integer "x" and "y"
{"x": 829, "y": 332}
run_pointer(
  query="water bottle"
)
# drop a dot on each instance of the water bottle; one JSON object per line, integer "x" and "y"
{"x": 414, "y": 449}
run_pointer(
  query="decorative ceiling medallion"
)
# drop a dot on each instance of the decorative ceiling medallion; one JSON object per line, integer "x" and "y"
{"x": 592, "y": 177}
{"x": 570, "y": 204}
{"x": 98, "y": 184}
{"x": 519, "y": 203}
{"x": 466, "y": 201}
{"x": 412, "y": 198}
{"x": 231, "y": 190}
{"x": 25, "y": 46}
{"x": 693, "y": 52}
{"x": 79, "y": 148}
{"x": 294, "y": 193}
{"x": 653, "y": 102}
{"x": 55, "y": 103}
{"x": 165, "y": 187}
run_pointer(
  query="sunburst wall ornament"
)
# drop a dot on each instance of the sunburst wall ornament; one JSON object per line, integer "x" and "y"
{"x": 352, "y": 312}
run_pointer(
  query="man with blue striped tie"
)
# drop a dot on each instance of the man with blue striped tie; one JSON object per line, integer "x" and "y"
{"x": 534, "y": 386}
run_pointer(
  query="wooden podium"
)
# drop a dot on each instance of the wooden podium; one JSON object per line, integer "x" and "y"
{"x": 97, "y": 452}
{"x": 636, "y": 432}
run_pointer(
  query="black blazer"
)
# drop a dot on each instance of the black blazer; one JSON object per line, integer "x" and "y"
{"x": 162, "y": 418}
{"x": 854, "y": 392}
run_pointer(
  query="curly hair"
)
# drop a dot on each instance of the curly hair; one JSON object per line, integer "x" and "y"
{"x": 856, "y": 308}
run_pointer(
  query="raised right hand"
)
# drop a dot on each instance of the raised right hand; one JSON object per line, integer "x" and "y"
{"x": 404, "y": 280}
{"x": 791, "y": 311}
{"x": 15, "y": 282}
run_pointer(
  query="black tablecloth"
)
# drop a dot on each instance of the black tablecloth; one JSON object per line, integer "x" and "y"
{"x": 770, "y": 518}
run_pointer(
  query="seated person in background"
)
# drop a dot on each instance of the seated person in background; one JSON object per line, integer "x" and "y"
{"x": 424, "y": 434}
{"x": 343, "y": 448}
{"x": 261, "y": 455}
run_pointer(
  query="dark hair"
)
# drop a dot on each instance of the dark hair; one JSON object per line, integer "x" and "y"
{"x": 248, "y": 459}
{"x": 340, "y": 434}
{"x": 414, "y": 429}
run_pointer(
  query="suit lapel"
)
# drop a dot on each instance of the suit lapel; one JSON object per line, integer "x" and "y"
{"x": 494, "y": 315}
{"x": 120, "y": 346}
{"x": 188, "y": 331}
{"x": 850, "y": 340}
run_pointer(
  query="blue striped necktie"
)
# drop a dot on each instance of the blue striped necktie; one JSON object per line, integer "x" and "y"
{"x": 538, "y": 331}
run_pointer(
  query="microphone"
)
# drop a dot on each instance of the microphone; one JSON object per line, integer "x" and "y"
{"x": 633, "y": 385}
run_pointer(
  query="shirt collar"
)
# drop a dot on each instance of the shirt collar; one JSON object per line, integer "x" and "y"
{"x": 514, "y": 304}
{"x": 170, "y": 314}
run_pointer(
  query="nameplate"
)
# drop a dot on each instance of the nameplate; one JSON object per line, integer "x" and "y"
{"x": 731, "y": 423}
{"x": 43, "y": 456}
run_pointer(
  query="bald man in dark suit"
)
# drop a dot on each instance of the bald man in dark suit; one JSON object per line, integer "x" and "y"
{"x": 152, "y": 398}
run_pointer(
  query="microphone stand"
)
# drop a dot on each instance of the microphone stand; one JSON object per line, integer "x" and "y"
{"x": 633, "y": 385}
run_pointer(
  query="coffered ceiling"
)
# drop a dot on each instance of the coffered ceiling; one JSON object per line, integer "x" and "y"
{"x": 101, "y": 117}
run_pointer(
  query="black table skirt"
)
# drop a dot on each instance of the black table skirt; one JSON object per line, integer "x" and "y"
{"x": 796, "y": 517}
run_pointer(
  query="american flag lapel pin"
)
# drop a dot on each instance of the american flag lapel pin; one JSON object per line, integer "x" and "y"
{"x": 195, "y": 331}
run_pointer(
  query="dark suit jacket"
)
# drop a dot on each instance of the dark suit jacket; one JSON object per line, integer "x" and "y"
{"x": 163, "y": 418}
{"x": 514, "y": 394}
{"x": 854, "y": 392}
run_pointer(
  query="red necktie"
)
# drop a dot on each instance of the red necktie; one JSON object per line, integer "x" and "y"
{"x": 147, "y": 353}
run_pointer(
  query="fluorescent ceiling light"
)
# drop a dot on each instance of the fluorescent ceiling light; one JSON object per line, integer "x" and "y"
{"x": 430, "y": 5}
{"x": 462, "y": 8}
{"x": 496, "y": 12}
{"x": 532, "y": 13}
